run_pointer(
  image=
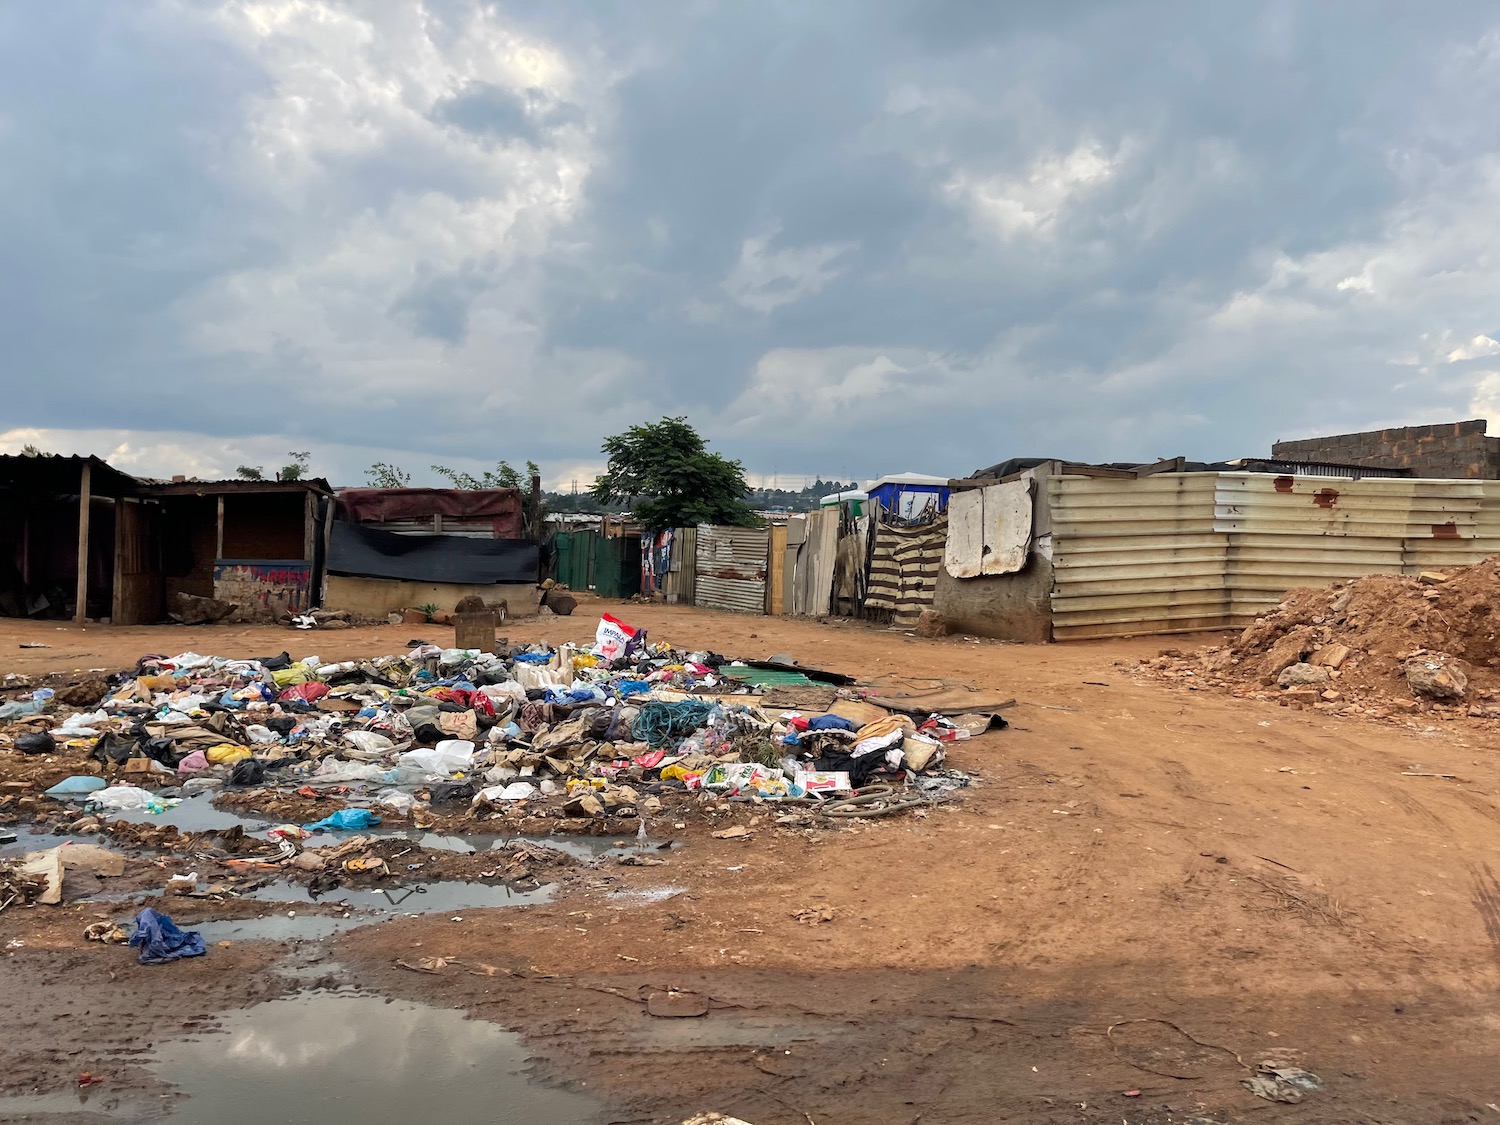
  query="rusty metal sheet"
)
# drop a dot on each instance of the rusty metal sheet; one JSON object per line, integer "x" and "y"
{"x": 731, "y": 568}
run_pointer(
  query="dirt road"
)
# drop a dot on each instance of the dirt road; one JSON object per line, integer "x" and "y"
{"x": 1151, "y": 892}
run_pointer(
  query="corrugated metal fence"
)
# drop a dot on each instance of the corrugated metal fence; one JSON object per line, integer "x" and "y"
{"x": 1181, "y": 552}
{"x": 731, "y": 568}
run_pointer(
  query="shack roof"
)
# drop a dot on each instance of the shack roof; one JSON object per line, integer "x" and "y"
{"x": 235, "y": 485}
{"x": 60, "y": 475}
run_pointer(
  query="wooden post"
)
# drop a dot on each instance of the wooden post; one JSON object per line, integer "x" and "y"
{"x": 219, "y": 535}
{"x": 309, "y": 527}
{"x": 85, "y": 498}
{"x": 776, "y": 570}
{"x": 533, "y": 528}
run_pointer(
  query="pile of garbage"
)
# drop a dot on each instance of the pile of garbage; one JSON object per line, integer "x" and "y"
{"x": 1379, "y": 645}
{"x": 623, "y": 728}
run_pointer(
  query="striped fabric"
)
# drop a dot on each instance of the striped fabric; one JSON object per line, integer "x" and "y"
{"x": 904, "y": 568}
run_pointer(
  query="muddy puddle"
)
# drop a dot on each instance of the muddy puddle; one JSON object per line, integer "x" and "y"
{"x": 414, "y": 898}
{"x": 339, "y": 1058}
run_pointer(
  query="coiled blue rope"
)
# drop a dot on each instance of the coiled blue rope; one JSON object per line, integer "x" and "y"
{"x": 659, "y": 723}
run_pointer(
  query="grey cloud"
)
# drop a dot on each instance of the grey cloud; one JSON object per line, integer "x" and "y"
{"x": 1096, "y": 229}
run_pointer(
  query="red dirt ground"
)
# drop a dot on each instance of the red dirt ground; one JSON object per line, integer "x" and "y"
{"x": 1271, "y": 882}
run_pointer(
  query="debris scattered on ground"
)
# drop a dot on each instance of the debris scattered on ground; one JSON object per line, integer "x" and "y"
{"x": 619, "y": 730}
{"x": 1383, "y": 645}
{"x": 160, "y": 941}
{"x": 1282, "y": 1083}
{"x": 813, "y": 915}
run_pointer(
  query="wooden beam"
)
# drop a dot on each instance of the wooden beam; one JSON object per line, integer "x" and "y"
{"x": 85, "y": 490}
{"x": 309, "y": 527}
{"x": 219, "y": 534}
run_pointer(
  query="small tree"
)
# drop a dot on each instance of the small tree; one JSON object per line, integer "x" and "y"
{"x": 665, "y": 471}
{"x": 385, "y": 475}
{"x": 295, "y": 469}
{"x": 503, "y": 475}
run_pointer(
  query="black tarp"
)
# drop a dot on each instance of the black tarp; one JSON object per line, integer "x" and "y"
{"x": 364, "y": 552}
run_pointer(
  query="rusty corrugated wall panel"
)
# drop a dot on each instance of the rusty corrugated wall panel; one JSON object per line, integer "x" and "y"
{"x": 1187, "y": 552}
{"x": 731, "y": 568}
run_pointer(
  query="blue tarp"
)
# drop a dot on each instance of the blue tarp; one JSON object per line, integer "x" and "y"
{"x": 160, "y": 941}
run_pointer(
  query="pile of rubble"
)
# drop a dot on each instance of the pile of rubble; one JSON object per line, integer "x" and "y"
{"x": 1379, "y": 645}
{"x": 622, "y": 729}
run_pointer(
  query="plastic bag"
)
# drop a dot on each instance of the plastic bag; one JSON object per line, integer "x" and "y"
{"x": 113, "y": 748}
{"x": 515, "y": 791}
{"x": 331, "y": 771}
{"x": 196, "y": 762}
{"x": 248, "y": 771}
{"x": 368, "y": 741}
{"x": 346, "y": 820}
{"x": 310, "y": 692}
{"x": 449, "y": 756}
{"x": 397, "y": 800}
{"x": 77, "y": 785}
{"x": 614, "y": 639}
{"x": 124, "y": 798}
{"x": 160, "y": 941}
{"x": 20, "y": 710}
{"x": 226, "y": 753}
{"x": 35, "y": 742}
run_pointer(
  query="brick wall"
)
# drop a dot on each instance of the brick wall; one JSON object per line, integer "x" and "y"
{"x": 1453, "y": 450}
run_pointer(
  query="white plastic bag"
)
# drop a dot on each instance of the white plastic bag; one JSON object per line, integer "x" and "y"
{"x": 449, "y": 756}
{"x": 515, "y": 791}
{"x": 612, "y": 638}
{"x": 122, "y": 798}
{"x": 368, "y": 742}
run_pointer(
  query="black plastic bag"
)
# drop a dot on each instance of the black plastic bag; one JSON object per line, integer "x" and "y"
{"x": 282, "y": 724}
{"x": 276, "y": 663}
{"x": 248, "y": 771}
{"x": 446, "y": 791}
{"x": 36, "y": 742}
{"x": 114, "y": 749}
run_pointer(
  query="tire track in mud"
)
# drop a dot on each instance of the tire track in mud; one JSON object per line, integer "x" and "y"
{"x": 1479, "y": 805}
{"x": 1487, "y": 901}
{"x": 1417, "y": 810}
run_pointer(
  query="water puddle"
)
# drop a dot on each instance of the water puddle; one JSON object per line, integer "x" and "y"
{"x": 279, "y": 927}
{"x": 195, "y": 814}
{"x": 25, "y": 841}
{"x": 414, "y": 898}
{"x": 326, "y": 1058}
{"x": 329, "y": 1057}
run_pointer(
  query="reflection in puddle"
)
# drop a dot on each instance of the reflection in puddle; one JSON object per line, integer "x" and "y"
{"x": 278, "y": 927}
{"x": 329, "y": 1057}
{"x": 194, "y": 814}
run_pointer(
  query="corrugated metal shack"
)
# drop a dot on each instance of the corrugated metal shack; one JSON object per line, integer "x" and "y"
{"x": 1109, "y": 551}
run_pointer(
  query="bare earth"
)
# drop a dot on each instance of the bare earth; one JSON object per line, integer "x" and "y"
{"x": 1152, "y": 891}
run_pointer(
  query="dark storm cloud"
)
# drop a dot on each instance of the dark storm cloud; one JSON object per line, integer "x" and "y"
{"x": 837, "y": 236}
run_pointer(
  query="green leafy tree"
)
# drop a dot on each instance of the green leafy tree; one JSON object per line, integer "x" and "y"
{"x": 382, "y": 474}
{"x": 666, "y": 473}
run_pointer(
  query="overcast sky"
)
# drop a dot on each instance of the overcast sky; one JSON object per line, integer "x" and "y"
{"x": 842, "y": 238}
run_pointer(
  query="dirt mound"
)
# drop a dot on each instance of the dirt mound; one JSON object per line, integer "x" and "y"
{"x": 1384, "y": 643}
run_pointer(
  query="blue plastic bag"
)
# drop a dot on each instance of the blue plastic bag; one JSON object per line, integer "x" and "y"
{"x": 346, "y": 820}
{"x": 160, "y": 941}
{"x": 77, "y": 785}
{"x": 623, "y": 688}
